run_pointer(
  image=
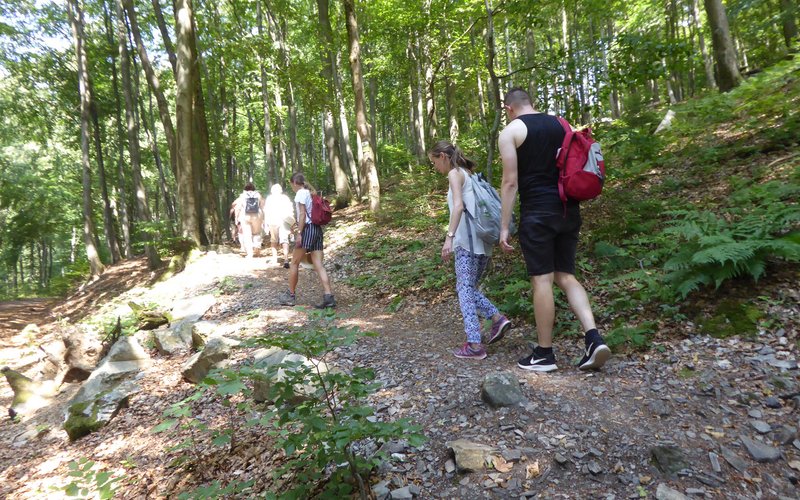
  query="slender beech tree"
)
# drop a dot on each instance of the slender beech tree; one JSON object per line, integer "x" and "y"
{"x": 122, "y": 199}
{"x": 724, "y": 52}
{"x": 75, "y": 14}
{"x": 788, "y": 23}
{"x": 495, "y": 82}
{"x": 344, "y": 192}
{"x": 155, "y": 87}
{"x": 184, "y": 106}
{"x": 369, "y": 171}
{"x": 134, "y": 154}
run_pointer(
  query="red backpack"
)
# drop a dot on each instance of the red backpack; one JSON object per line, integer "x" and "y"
{"x": 321, "y": 211}
{"x": 581, "y": 165}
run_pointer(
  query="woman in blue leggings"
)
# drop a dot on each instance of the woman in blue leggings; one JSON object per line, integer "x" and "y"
{"x": 471, "y": 254}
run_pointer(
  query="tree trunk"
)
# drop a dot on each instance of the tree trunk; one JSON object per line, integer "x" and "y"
{"x": 708, "y": 64}
{"x": 724, "y": 53}
{"x": 162, "y": 27}
{"x": 346, "y": 152}
{"x": 142, "y": 209}
{"x": 452, "y": 106}
{"x": 152, "y": 80}
{"x": 788, "y": 24}
{"x": 184, "y": 178}
{"x": 108, "y": 218}
{"x": 490, "y": 57}
{"x": 75, "y": 14}
{"x": 344, "y": 192}
{"x": 369, "y": 172}
{"x": 530, "y": 54}
{"x": 269, "y": 153}
{"x": 419, "y": 102}
{"x": 205, "y": 188}
{"x": 122, "y": 198}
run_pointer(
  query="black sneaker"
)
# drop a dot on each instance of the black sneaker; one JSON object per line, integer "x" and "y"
{"x": 597, "y": 353}
{"x": 286, "y": 265}
{"x": 287, "y": 298}
{"x": 328, "y": 302}
{"x": 538, "y": 362}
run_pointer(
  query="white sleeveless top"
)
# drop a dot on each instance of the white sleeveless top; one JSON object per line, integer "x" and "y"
{"x": 462, "y": 235}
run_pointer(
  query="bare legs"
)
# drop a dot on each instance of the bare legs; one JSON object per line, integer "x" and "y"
{"x": 316, "y": 259}
{"x": 544, "y": 304}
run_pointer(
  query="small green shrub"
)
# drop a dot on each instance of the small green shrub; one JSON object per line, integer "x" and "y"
{"x": 90, "y": 483}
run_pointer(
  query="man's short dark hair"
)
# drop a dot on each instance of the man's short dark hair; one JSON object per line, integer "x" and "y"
{"x": 516, "y": 96}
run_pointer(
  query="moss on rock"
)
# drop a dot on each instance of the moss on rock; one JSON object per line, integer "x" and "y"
{"x": 732, "y": 317}
{"x": 79, "y": 424}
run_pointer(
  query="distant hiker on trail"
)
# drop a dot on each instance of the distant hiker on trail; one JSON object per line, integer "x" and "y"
{"x": 308, "y": 239}
{"x": 249, "y": 217}
{"x": 471, "y": 254}
{"x": 548, "y": 229}
{"x": 278, "y": 221}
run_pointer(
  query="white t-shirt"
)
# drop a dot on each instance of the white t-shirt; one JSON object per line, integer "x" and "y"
{"x": 303, "y": 196}
{"x": 277, "y": 209}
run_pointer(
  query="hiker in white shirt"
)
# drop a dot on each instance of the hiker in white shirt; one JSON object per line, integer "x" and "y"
{"x": 249, "y": 217}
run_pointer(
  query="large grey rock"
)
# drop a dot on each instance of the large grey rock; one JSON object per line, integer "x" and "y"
{"x": 202, "y": 331}
{"x": 272, "y": 364}
{"x": 471, "y": 456}
{"x": 192, "y": 308}
{"x": 28, "y": 394}
{"x": 668, "y": 459}
{"x": 664, "y": 492}
{"x": 125, "y": 359}
{"x": 216, "y": 351}
{"x": 173, "y": 340}
{"x": 501, "y": 389}
{"x": 83, "y": 352}
{"x": 93, "y": 411}
{"x": 761, "y": 452}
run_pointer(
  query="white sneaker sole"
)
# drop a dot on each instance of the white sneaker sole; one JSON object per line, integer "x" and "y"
{"x": 598, "y": 358}
{"x": 538, "y": 368}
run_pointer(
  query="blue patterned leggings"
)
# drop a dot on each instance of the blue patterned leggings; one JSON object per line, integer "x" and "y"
{"x": 469, "y": 268}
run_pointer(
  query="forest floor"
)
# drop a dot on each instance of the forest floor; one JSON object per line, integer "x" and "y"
{"x": 577, "y": 434}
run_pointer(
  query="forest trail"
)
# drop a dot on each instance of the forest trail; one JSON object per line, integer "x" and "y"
{"x": 577, "y": 435}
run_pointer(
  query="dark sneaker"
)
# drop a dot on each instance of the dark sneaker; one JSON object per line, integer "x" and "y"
{"x": 327, "y": 302}
{"x": 467, "y": 352}
{"x": 597, "y": 353}
{"x": 498, "y": 331}
{"x": 538, "y": 362}
{"x": 286, "y": 265}
{"x": 287, "y": 298}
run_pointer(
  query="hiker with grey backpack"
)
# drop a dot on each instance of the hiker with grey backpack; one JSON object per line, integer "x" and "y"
{"x": 471, "y": 251}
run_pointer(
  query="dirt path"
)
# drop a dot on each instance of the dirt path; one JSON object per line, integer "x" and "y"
{"x": 590, "y": 435}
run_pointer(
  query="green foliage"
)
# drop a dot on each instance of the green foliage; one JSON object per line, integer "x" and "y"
{"x": 325, "y": 428}
{"x": 635, "y": 337}
{"x": 714, "y": 248}
{"x": 320, "y": 417}
{"x": 90, "y": 483}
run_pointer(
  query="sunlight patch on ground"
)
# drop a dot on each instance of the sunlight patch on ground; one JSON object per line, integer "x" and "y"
{"x": 344, "y": 235}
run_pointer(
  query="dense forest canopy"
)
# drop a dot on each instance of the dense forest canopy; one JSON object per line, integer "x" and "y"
{"x": 129, "y": 127}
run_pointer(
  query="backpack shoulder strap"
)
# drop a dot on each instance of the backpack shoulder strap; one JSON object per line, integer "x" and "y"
{"x": 561, "y": 157}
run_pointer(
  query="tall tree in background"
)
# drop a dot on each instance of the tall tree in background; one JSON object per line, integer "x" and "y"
{"x": 788, "y": 23}
{"x": 184, "y": 82}
{"x": 343, "y": 191}
{"x": 369, "y": 172}
{"x": 140, "y": 195}
{"x": 75, "y": 14}
{"x": 724, "y": 53}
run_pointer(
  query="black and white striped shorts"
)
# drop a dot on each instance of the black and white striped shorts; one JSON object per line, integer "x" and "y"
{"x": 312, "y": 238}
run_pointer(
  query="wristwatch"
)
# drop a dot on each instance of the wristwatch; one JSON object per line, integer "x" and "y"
{"x": 451, "y": 235}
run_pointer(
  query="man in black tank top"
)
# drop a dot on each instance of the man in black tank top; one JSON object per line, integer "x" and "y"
{"x": 548, "y": 230}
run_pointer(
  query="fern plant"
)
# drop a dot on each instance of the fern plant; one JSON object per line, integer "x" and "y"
{"x": 714, "y": 248}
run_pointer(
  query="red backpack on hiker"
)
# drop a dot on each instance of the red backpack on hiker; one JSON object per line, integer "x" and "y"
{"x": 581, "y": 165}
{"x": 321, "y": 211}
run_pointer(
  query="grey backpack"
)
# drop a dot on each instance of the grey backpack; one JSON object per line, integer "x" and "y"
{"x": 485, "y": 215}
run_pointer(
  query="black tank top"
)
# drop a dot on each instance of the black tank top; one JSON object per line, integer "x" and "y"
{"x": 537, "y": 174}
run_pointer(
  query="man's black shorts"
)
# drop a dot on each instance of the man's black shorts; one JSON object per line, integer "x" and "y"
{"x": 549, "y": 240}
